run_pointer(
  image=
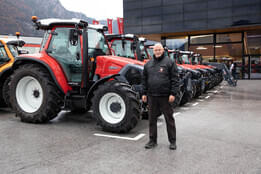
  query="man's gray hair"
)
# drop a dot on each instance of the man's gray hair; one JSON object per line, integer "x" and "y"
{"x": 158, "y": 44}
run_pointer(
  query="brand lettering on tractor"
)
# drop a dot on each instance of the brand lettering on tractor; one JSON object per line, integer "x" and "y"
{"x": 113, "y": 67}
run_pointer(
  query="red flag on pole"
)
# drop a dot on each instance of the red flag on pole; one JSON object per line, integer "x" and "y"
{"x": 95, "y": 22}
{"x": 109, "y": 23}
{"x": 120, "y": 25}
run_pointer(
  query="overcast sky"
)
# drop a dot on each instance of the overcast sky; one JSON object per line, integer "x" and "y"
{"x": 98, "y": 9}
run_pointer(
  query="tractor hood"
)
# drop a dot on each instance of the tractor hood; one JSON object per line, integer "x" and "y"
{"x": 108, "y": 65}
{"x": 121, "y": 60}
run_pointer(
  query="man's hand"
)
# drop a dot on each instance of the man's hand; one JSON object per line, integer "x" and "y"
{"x": 171, "y": 98}
{"x": 144, "y": 98}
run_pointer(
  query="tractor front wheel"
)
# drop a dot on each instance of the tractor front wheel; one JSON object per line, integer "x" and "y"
{"x": 116, "y": 107}
{"x": 36, "y": 98}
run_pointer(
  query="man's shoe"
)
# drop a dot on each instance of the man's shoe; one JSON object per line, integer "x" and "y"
{"x": 172, "y": 146}
{"x": 150, "y": 145}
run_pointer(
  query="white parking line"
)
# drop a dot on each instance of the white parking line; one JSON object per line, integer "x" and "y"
{"x": 207, "y": 97}
{"x": 195, "y": 104}
{"x": 119, "y": 137}
{"x": 200, "y": 100}
{"x": 175, "y": 114}
{"x": 184, "y": 108}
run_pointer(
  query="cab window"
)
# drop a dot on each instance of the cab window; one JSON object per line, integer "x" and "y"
{"x": 68, "y": 55}
{"x": 3, "y": 56}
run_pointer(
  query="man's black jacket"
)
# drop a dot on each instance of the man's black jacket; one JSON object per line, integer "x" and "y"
{"x": 160, "y": 77}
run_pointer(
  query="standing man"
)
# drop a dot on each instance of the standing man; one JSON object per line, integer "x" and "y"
{"x": 160, "y": 84}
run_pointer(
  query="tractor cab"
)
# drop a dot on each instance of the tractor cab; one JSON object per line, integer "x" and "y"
{"x": 9, "y": 49}
{"x": 67, "y": 45}
{"x": 197, "y": 60}
{"x": 8, "y": 52}
{"x": 122, "y": 45}
{"x": 128, "y": 45}
{"x": 216, "y": 73}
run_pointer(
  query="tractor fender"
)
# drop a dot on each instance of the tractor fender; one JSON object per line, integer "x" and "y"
{"x": 121, "y": 78}
{"x": 6, "y": 72}
{"x": 99, "y": 82}
{"x": 60, "y": 82}
{"x": 4, "y": 75}
{"x": 131, "y": 74}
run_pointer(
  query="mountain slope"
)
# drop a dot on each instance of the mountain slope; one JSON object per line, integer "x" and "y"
{"x": 15, "y": 15}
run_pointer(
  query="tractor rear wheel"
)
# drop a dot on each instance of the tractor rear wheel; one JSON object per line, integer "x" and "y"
{"x": 2, "y": 103}
{"x": 116, "y": 107}
{"x": 6, "y": 92}
{"x": 36, "y": 98}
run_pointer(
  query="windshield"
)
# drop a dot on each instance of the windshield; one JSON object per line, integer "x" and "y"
{"x": 3, "y": 56}
{"x": 185, "y": 59}
{"x": 196, "y": 60}
{"x": 13, "y": 49}
{"x": 122, "y": 49}
{"x": 97, "y": 42}
{"x": 173, "y": 56}
{"x": 150, "y": 52}
{"x": 143, "y": 52}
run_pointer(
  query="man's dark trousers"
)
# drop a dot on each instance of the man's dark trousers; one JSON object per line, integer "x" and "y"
{"x": 157, "y": 105}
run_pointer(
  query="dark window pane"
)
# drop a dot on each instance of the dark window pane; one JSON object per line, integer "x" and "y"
{"x": 253, "y": 42}
{"x": 179, "y": 43}
{"x": 207, "y": 52}
{"x": 200, "y": 39}
{"x": 229, "y": 37}
{"x": 231, "y": 52}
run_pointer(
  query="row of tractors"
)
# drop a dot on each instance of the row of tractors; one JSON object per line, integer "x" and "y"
{"x": 79, "y": 68}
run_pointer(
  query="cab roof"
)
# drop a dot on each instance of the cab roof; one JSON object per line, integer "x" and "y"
{"x": 46, "y": 24}
{"x": 120, "y": 36}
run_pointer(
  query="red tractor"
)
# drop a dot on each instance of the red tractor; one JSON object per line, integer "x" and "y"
{"x": 217, "y": 73}
{"x": 63, "y": 76}
{"x": 198, "y": 75}
{"x": 133, "y": 47}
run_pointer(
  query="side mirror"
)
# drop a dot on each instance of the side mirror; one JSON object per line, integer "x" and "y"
{"x": 133, "y": 46}
{"x": 123, "y": 43}
{"x": 143, "y": 56}
{"x": 74, "y": 37}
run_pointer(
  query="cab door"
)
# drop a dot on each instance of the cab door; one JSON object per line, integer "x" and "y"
{"x": 67, "y": 54}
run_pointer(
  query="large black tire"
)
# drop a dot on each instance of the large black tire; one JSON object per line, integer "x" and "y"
{"x": 185, "y": 98}
{"x": 52, "y": 98}
{"x": 6, "y": 92}
{"x": 177, "y": 100}
{"x": 2, "y": 103}
{"x": 126, "y": 98}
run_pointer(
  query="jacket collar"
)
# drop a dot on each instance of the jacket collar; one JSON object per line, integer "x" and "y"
{"x": 159, "y": 58}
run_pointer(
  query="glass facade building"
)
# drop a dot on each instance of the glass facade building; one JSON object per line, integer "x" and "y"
{"x": 221, "y": 30}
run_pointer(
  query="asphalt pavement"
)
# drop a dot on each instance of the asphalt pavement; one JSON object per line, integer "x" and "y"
{"x": 220, "y": 132}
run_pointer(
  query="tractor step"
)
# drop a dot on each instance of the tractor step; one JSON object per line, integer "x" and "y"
{"x": 75, "y": 101}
